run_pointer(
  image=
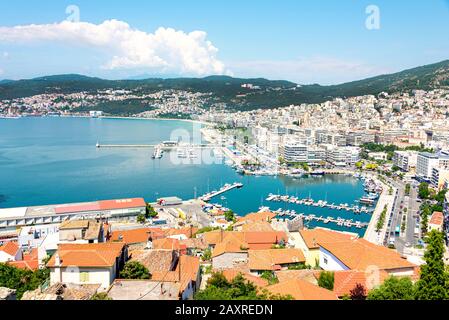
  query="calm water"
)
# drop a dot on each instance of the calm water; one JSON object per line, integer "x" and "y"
{"x": 54, "y": 160}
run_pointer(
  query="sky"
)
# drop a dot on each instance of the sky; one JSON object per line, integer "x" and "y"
{"x": 304, "y": 41}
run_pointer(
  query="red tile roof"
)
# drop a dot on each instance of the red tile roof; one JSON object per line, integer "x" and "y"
{"x": 93, "y": 255}
{"x": 134, "y": 236}
{"x": 272, "y": 259}
{"x": 437, "y": 218}
{"x": 313, "y": 237}
{"x": 122, "y": 204}
{"x": 32, "y": 265}
{"x": 302, "y": 290}
{"x": 360, "y": 255}
{"x": 10, "y": 248}
{"x": 345, "y": 281}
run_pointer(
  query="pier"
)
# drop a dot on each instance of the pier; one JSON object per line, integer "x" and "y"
{"x": 161, "y": 145}
{"x": 338, "y": 221}
{"x": 227, "y": 187}
{"x": 320, "y": 203}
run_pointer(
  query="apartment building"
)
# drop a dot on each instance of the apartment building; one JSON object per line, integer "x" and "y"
{"x": 427, "y": 161}
{"x": 405, "y": 160}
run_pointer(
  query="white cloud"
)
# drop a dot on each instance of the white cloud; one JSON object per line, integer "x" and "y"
{"x": 5, "y": 54}
{"x": 166, "y": 50}
{"x": 322, "y": 70}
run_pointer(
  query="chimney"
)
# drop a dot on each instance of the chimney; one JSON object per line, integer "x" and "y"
{"x": 57, "y": 260}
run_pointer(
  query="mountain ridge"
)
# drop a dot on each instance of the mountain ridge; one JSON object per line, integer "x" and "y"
{"x": 228, "y": 90}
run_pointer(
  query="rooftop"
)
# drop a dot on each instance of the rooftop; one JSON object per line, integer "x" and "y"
{"x": 272, "y": 259}
{"x": 302, "y": 290}
{"x": 95, "y": 255}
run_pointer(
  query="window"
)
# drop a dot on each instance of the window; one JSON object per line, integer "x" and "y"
{"x": 84, "y": 277}
{"x": 325, "y": 260}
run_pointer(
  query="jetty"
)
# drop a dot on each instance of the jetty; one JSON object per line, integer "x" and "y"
{"x": 349, "y": 223}
{"x": 319, "y": 203}
{"x": 227, "y": 187}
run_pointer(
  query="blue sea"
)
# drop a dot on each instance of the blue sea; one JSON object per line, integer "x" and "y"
{"x": 55, "y": 160}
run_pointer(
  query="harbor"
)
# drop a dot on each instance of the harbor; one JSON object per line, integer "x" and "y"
{"x": 323, "y": 204}
{"x": 341, "y": 222}
{"x": 227, "y": 187}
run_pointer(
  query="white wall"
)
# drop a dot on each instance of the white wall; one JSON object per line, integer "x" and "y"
{"x": 102, "y": 276}
{"x": 329, "y": 262}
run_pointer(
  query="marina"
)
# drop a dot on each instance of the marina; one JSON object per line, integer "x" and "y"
{"x": 349, "y": 223}
{"x": 319, "y": 203}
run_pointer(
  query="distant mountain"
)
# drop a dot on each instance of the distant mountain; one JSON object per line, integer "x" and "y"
{"x": 229, "y": 90}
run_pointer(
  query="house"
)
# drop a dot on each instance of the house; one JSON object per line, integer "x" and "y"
{"x": 136, "y": 238}
{"x": 273, "y": 259}
{"x": 93, "y": 263}
{"x": 169, "y": 244}
{"x": 161, "y": 260}
{"x": 252, "y": 218}
{"x": 362, "y": 255}
{"x": 144, "y": 290}
{"x": 301, "y": 290}
{"x": 258, "y": 226}
{"x": 229, "y": 253}
{"x": 81, "y": 231}
{"x": 187, "y": 274}
{"x": 308, "y": 275}
{"x": 182, "y": 233}
{"x": 10, "y": 251}
{"x": 30, "y": 261}
{"x": 254, "y": 240}
{"x": 436, "y": 222}
{"x": 308, "y": 241}
{"x": 231, "y": 274}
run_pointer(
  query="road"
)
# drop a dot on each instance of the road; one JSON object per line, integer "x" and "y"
{"x": 402, "y": 201}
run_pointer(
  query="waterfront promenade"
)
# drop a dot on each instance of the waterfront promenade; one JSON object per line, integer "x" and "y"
{"x": 385, "y": 199}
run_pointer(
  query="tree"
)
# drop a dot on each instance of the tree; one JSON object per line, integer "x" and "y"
{"x": 134, "y": 270}
{"x": 358, "y": 293}
{"x": 207, "y": 255}
{"x": 433, "y": 282}
{"x": 219, "y": 288}
{"x": 407, "y": 189}
{"x": 141, "y": 218}
{"x": 423, "y": 190}
{"x": 150, "y": 212}
{"x": 22, "y": 280}
{"x": 326, "y": 280}
{"x": 229, "y": 216}
{"x": 393, "y": 289}
{"x": 270, "y": 277}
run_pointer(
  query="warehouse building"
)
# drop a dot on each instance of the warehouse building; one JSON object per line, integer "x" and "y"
{"x": 126, "y": 209}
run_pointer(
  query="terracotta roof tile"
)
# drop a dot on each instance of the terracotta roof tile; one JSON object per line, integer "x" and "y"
{"x": 10, "y": 248}
{"x": 88, "y": 255}
{"x": 272, "y": 259}
{"x": 313, "y": 237}
{"x": 360, "y": 255}
{"x": 135, "y": 236}
{"x": 230, "y": 275}
{"x": 302, "y": 290}
{"x": 437, "y": 218}
{"x": 156, "y": 260}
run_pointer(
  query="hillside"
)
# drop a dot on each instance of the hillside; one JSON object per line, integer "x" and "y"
{"x": 229, "y": 90}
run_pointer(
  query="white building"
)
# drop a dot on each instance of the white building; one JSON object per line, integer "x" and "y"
{"x": 405, "y": 160}
{"x": 79, "y": 264}
{"x": 10, "y": 251}
{"x": 427, "y": 161}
